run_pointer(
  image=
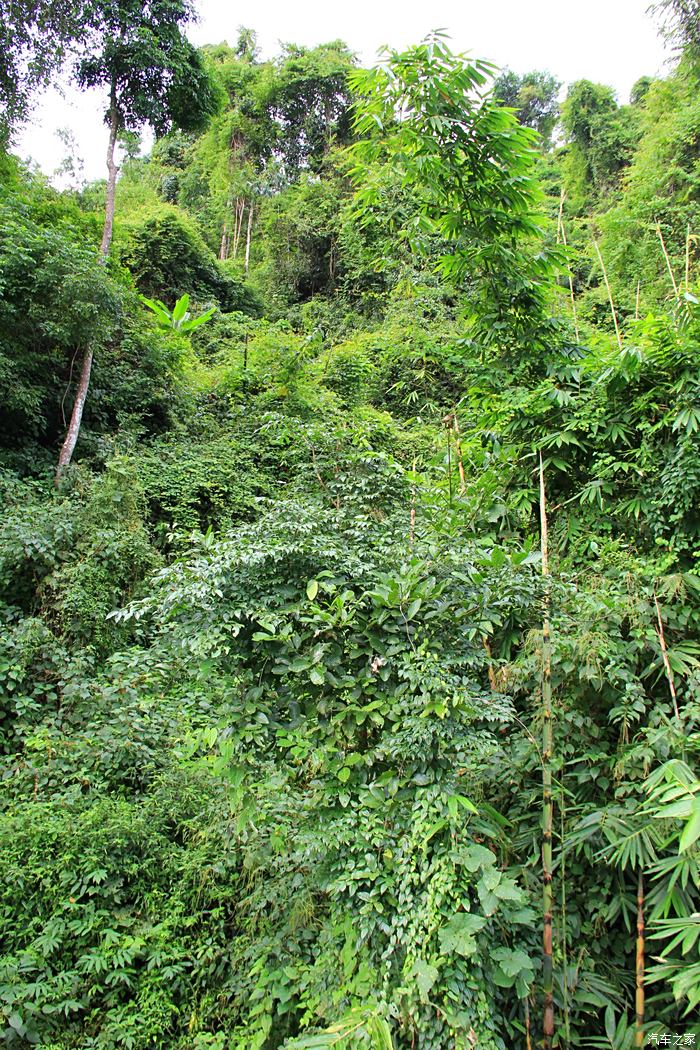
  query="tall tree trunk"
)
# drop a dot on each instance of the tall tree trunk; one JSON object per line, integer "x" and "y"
{"x": 112, "y": 172}
{"x": 240, "y": 208}
{"x": 76, "y": 415}
{"x": 639, "y": 998}
{"x": 248, "y": 235}
{"x": 76, "y": 418}
{"x": 547, "y": 803}
{"x": 223, "y": 248}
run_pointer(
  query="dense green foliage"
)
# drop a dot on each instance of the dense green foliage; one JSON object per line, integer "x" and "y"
{"x": 55, "y": 294}
{"x": 273, "y": 652}
{"x": 153, "y": 74}
{"x": 533, "y": 96}
{"x": 34, "y": 38}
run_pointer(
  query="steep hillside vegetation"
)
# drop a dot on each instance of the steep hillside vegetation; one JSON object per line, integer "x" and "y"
{"x": 349, "y": 670}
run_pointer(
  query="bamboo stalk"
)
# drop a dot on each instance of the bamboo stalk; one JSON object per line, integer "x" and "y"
{"x": 664, "y": 654}
{"x": 562, "y": 879}
{"x": 687, "y": 257}
{"x": 559, "y": 236}
{"x": 528, "y": 1037}
{"x": 639, "y": 994}
{"x": 666, "y": 257}
{"x": 413, "y": 505}
{"x": 547, "y": 802}
{"x": 448, "y": 431}
{"x": 460, "y": 462}
{"x": 571, "y": 284}
{"x": 636, "y": 305}
{"x": 489, "y": 667}
{"x": 610, "y": 298}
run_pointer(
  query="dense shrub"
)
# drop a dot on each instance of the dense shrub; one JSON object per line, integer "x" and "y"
{"x": 167, "y": 258}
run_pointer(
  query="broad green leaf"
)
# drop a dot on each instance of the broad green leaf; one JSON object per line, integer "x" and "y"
{"x": 180, "y": 308}
{"x": 426, "y": 976}
{"x": 458, "y": 935}
{"x": 512, "y": 961}
{"x": 159, "y": 309}
{"x": 190, "y": 324}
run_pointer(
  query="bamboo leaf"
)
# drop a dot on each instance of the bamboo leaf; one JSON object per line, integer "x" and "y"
{"x": 691, "y": 832}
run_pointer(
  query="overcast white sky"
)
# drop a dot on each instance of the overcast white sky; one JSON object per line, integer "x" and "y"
{"x": 611, "y": 41}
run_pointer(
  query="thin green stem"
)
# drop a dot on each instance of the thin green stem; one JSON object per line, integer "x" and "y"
{"x": 547, "y": 802}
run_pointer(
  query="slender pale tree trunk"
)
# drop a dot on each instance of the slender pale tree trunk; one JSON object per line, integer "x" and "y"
{"x": 223, "y": 248}
{"x": 240, "y": 208}
{"x": 76, "y": 415}
{"x": 248, "y": 236}
{"x": 112, "y": 172}
{"x": 547, "y": 802}
{"x": 76, "y": 418}
{"x": 225, "y": 245}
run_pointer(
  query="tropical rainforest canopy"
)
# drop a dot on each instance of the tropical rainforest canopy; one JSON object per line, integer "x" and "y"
{"x": 349, "y": 579}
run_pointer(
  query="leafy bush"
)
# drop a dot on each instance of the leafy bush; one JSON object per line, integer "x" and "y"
{"x": 54, "y": 295}
{"x": 168, "y": 258}
{"x": 108, "y": 956}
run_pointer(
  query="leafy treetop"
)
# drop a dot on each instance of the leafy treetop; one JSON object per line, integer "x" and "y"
{"x": 533, "y": 96}
{"x": 470, "y": 166}
{"x": 154, "y": 75}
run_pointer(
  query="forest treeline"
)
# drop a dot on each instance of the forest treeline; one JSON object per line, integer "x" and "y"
{"x": 350, "y": 474}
